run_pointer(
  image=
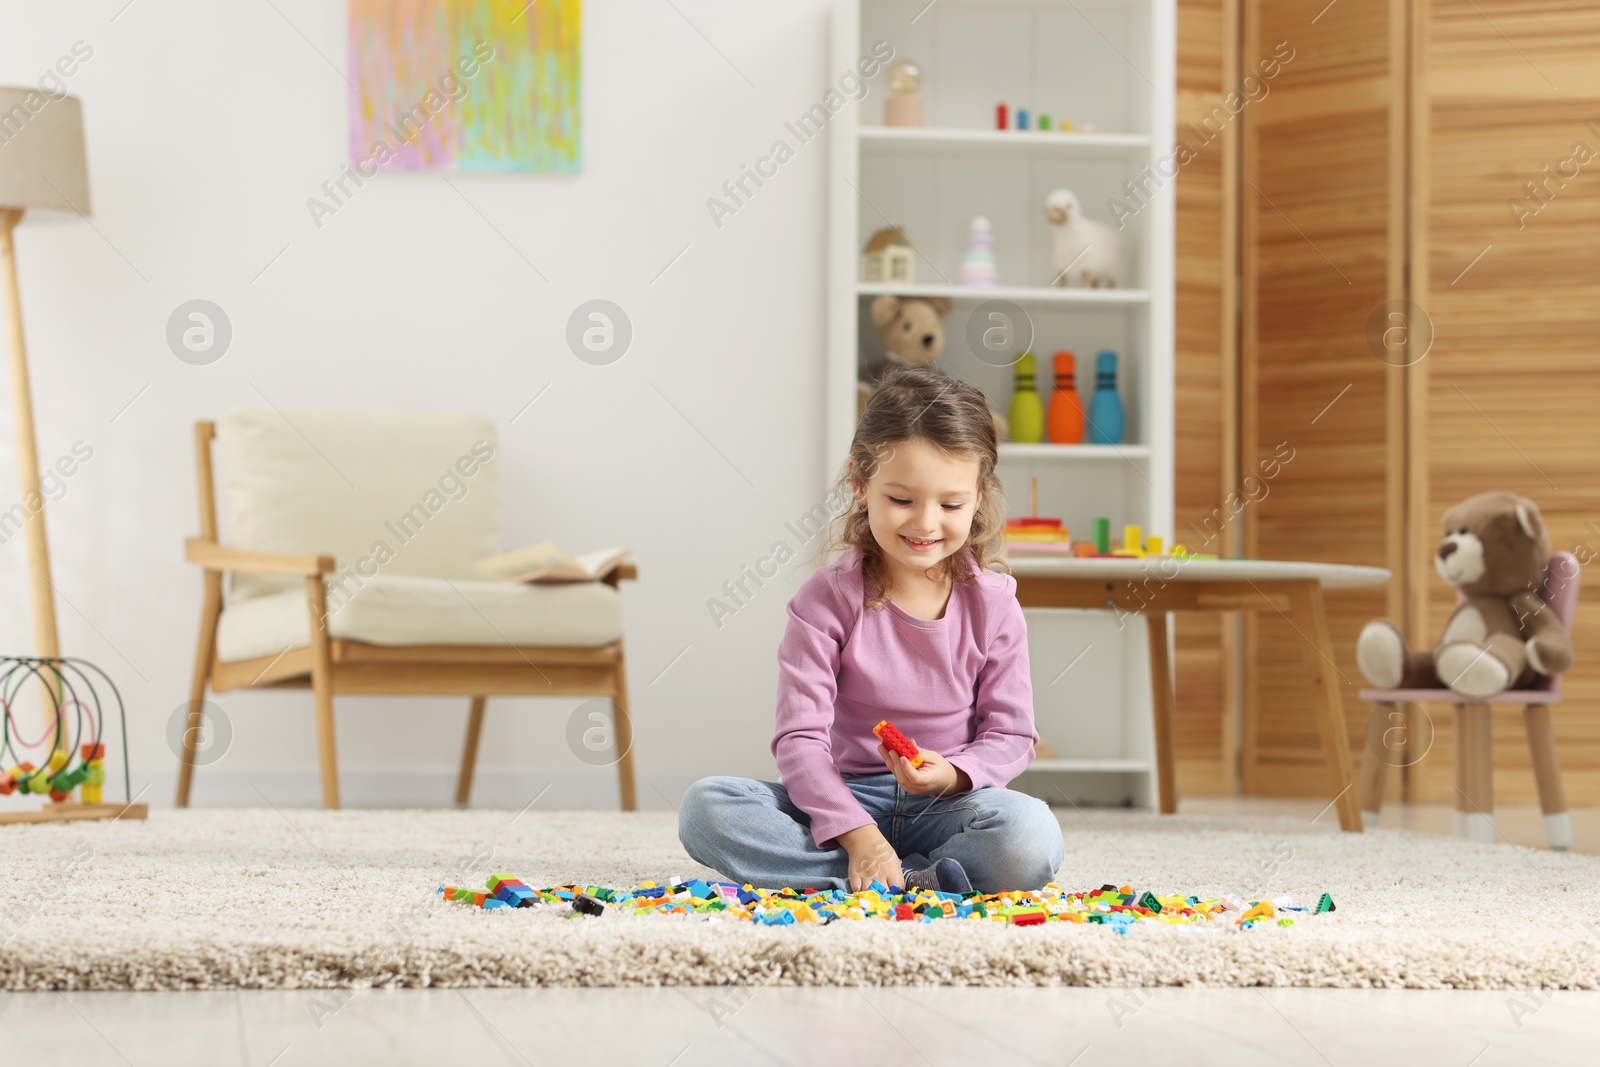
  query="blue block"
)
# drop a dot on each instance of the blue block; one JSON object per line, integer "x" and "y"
{"x": 699, "y": 889}
{"x": 493, "y": 902}
{"x": 878, "y": 887}
{"x": 748, "y": 897}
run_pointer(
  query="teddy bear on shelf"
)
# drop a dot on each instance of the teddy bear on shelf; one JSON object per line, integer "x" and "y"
{"x": 1495, "y": 551}
{"x": 912, "y": 332}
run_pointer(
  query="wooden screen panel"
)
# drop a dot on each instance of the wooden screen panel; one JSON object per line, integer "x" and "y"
{"x": 1323, "y": 247}
{"x": 1512, "y": 384}
{"x": 1204, "y": 735}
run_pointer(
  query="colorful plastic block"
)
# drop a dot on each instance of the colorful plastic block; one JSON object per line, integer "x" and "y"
{"x": 895, "y": 741}
{"x": 1133, "y": 539}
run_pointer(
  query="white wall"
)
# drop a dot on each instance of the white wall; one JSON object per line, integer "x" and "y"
{"x": 209, "y": 125}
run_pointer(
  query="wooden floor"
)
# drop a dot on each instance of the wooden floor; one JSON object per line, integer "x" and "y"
{"x": 757, "y": 1026}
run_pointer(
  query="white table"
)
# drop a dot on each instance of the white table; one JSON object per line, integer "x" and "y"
{"x": 1154, "y": 587}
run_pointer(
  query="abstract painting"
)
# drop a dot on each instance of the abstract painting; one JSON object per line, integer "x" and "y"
{"x": 465, "y": 85}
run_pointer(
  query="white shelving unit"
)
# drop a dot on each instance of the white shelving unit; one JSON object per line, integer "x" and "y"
{"x": 1106, "y": 62}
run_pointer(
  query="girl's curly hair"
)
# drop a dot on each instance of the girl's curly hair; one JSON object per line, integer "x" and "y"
{"x": 920, "y": 403}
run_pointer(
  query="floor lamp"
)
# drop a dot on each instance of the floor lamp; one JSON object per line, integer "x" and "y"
{"x": 43, "y": 167}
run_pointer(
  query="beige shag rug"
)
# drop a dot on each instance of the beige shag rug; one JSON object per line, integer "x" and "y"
{"x": 301, "y": 899}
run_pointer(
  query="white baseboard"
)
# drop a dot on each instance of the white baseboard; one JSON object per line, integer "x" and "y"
{"x": 556, "y": 789}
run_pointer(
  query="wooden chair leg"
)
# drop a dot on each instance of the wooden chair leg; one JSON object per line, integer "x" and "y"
{"x": 1161, "y": 708}
{"x": 1474, "y": 773}
{"x": 205, "y": 648}
{"x": 1547, "y": 776}
{"x": 623, "y": 728}
{"x": 1375, "y": 763}
{"x": 322, "y": 689}
{"x": 469, "y": 752}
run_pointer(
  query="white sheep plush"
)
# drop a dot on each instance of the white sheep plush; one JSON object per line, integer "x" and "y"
{"x": 1087, "y": 253}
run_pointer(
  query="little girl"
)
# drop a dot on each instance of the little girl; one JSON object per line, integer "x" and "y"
{"x": 909, "y": 625}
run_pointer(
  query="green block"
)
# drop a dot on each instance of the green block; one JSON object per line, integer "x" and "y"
{"x": 1149, "y": 901}
{"x": 1325, "y": 904}
{"x": 1102, "y": 535}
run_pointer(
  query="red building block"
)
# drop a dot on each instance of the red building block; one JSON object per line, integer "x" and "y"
{"x": 895, "y": 741}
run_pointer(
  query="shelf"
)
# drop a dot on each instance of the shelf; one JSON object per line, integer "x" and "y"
{"x": 1071, "y": 453}
{"x": 1092, "y": 766}
{"x": 1017, "y": 294}
{"x": 925, "y": 138}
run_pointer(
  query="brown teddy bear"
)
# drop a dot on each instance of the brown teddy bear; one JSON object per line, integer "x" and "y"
{"x": 912, "y": 332}
{"x": 1494, "y": 550}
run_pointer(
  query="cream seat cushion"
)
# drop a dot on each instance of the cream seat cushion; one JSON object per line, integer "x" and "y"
{"x": 404, "y": 610}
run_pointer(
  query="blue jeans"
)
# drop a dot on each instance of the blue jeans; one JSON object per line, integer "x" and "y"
{"x": 750, "y": 831}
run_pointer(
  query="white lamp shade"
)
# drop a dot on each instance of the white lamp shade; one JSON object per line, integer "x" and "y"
{"x": 42, "y": 159}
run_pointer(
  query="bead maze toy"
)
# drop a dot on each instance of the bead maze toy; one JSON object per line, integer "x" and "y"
{"x": 67, "y": 684}
{"x": 895, "y": 741}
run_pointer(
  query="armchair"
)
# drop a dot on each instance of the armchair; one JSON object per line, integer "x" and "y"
{"x": 349, "y": 570}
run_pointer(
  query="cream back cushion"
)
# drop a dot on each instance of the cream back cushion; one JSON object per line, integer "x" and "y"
{"x": 382, "y": 492}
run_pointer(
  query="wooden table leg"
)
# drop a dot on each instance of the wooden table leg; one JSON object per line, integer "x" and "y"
{"x": 1161, "y": 706}
{"x": 1309, "y": 613}
{"x": 1375, "y": 762}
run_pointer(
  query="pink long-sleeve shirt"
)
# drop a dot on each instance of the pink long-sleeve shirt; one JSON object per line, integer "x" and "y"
{"x": 957, "y": 685}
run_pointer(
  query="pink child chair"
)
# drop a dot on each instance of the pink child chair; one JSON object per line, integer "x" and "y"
{"x": 1474, "y": 757}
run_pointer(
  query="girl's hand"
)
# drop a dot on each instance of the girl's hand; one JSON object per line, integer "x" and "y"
{"x": 872, "y": 858}
{"x": 936, "y": 777}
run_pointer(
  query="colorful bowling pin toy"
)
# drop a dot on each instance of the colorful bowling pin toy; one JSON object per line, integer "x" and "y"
{"x": 1066, "y": 407}
{"x": 1027, "y": 412}
{"x": 1105, "y": 412}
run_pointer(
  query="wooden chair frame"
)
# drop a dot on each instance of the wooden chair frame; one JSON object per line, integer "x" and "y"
{"x": 329, "y": 666}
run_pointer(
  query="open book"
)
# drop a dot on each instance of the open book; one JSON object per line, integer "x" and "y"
{"x": 545, "y": 562}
